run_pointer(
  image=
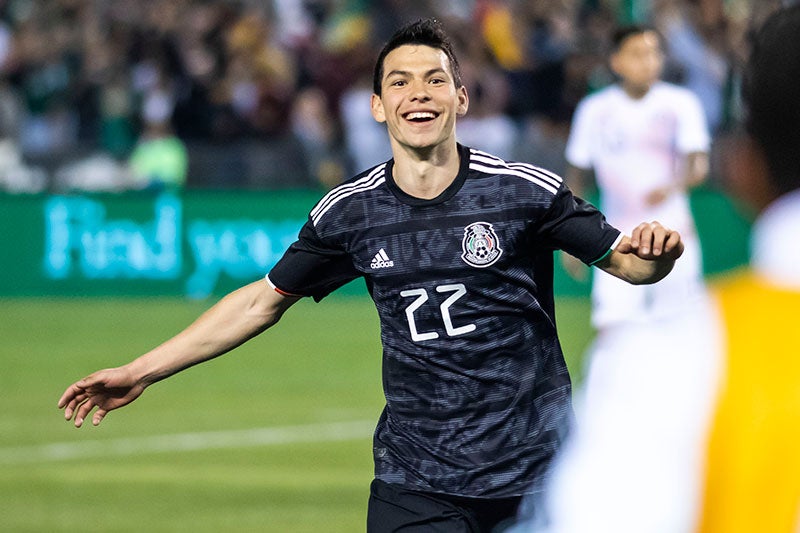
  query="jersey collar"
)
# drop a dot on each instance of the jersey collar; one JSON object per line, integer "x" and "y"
{"x": 449, "y": 192}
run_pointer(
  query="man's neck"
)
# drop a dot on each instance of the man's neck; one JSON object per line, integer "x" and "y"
{"x": 425, "y": 174}
{"x": 636, "y": 92}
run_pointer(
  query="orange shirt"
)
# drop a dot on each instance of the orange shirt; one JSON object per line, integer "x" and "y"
{"x": 752, "y": 481}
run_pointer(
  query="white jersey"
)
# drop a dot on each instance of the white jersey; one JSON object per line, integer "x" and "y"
{"x": 637, "y": 146}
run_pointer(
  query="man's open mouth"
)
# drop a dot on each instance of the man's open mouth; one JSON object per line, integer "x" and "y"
{"x": 420, "y": 116}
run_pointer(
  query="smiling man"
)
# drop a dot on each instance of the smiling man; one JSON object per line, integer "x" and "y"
{"x": 456, "y": 248}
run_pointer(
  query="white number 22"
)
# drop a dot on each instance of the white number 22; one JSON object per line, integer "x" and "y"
{"x": 458, "y": 290}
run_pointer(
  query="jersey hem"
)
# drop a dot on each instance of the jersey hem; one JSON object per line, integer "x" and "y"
{"x": 278, "y": 289}
{"x": 610, "y": 249}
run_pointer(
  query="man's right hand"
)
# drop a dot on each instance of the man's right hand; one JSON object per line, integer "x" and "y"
{"x": 107, "y": 390}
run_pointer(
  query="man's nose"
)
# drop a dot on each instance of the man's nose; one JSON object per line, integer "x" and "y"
{"x": 419, "y": 91}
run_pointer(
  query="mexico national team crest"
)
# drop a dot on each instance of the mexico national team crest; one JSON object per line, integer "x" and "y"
{"x": 480, "y": 245}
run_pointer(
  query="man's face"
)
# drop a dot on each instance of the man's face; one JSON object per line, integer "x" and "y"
{"x": 419, "y": 100}
{"x": 639, "y": 60}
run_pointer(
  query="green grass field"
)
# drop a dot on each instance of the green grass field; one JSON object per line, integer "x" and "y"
{"x": 272, "y": 437}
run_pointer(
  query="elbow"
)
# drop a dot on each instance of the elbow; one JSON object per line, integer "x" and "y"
{"x": 263, "y": 316}
{"x": 268, "y": 312}
{"x": 262, "y": 306}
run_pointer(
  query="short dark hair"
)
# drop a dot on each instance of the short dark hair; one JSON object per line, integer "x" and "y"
{"x": 771, "y": 93}
{"x": 622, "y": 34}
{"x": 428, "y": 32}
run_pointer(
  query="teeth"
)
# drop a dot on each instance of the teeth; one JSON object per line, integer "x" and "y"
{"x": 420, "y": 114}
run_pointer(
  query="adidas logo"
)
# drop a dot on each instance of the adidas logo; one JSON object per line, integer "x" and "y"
{"x": 381, "y": 260}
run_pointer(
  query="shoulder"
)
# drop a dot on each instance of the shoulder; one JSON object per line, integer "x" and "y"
{"x": 523, "y": 176}
{"x": 598, "y": 103}
{"x": 677, "y": 93}
{"x": 601, "y": 97}
{"x": 340, "y": 196}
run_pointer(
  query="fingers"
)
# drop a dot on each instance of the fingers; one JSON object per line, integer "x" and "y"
{"x": 650, "y": 240}
{"x": 76, "y": 400}
{"x": 72, "y": 397}
{"x": 83, "y": 411}
{"x": 674, "y": 245}
{"x": 98, "y": 417}
{"x": 70, "y": 407}
{"x": 71, "y": 392}
{"x": 642, "y": 237}
{"x": 105, "y": 390}
{"x": 81, "y": 407}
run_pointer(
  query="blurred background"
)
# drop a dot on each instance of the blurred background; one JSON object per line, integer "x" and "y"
{"x": 116, "y": 94}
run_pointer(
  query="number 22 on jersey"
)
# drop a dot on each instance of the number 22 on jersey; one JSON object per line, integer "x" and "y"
{"x": 421, "y": 295}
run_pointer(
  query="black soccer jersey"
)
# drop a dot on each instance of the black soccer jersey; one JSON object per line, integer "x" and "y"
{"x": 477, "y": 390}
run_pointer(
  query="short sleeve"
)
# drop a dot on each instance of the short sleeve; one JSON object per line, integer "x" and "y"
{"x": 312, "y": 267}
{"x": 578, "y": 150}
{"x": 577, "y": 227}
{"x": 693, "y": 135}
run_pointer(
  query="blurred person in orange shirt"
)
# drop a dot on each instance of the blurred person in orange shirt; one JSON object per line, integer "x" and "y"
{"x": 752, "y": 468}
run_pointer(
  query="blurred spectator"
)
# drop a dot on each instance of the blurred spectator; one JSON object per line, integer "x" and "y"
{"x": 697, "y": 47}
{"x": 159, "y": 160}
{"x": 46, "y": 77}
{"x": 15, "y": 175}
{"x": 236, "y": 71}
{"x": 261, "y": 77}
{"x": 366, "y": 140}
{"x": 486, "y": 127}
{"x": 96, "y": 172}
{"x": 315, "y": 127}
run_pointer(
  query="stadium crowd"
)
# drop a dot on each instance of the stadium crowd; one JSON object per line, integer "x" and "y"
{"x": 198, "y": 93}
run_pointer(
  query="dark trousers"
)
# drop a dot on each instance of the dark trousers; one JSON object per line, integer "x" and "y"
{"x": 395, "y": 509}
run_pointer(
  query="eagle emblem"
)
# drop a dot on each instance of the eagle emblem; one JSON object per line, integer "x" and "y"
{"x": 481, "y": 246}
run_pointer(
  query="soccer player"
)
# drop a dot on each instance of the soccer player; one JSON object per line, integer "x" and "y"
{"x": 717, "y": 452}
{"x": 456, "y": 247}
{"x": 647, "y": 142}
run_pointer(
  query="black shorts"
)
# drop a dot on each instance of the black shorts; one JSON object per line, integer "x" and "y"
{"x": 393, "y": 508}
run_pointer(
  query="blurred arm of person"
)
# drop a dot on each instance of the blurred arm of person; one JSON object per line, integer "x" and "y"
{"x": 696, "y": 172}
{"x": 238, "y": 317}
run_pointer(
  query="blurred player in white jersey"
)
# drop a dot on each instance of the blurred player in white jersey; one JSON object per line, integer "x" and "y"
{"x": 647, "y": 142}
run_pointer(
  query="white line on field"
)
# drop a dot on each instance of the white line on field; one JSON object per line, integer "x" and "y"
{"x": 62, "y": 451}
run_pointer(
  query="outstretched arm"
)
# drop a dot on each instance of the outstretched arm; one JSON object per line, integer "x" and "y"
{"x": 647, "y": 256}
{"x": 238, "y": 317}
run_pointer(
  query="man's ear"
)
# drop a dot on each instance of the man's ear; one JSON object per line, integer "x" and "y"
{"x": 463, "y": 101}
{"x": 746, "y": 172}
{"x": 614, "y": 64}
{"x": 377, "y": 108}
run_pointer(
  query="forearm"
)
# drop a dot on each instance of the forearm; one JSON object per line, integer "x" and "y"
{"x": 697, "y": 167}
{"x": 238, "y": 317}
{"x": 646, "y": 257}
{"x": 637, "y": 271}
